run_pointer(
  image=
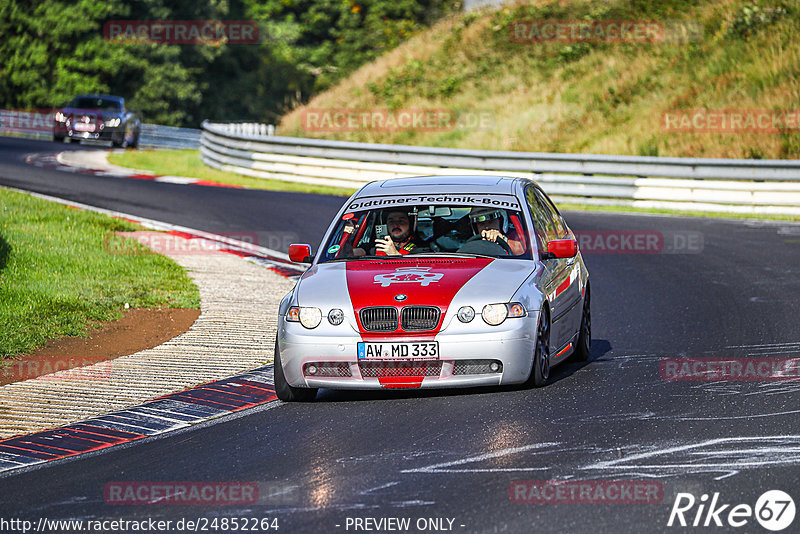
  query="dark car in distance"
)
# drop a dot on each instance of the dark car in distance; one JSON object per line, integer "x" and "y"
{"x": 97, "y": 118}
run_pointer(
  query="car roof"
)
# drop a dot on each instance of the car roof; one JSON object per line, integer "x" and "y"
{"x": 443, "y": 184}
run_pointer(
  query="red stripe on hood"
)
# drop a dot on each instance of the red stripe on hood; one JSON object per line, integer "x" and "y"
{"x": 424, "y": 282}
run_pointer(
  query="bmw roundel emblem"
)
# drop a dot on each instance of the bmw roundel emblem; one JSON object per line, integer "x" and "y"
{"x": 400, "y": 297}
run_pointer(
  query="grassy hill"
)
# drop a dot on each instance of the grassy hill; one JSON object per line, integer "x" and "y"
{"x": 590, "y": 97}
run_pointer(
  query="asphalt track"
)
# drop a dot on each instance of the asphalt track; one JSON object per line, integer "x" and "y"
{"x": 455, "y": 454}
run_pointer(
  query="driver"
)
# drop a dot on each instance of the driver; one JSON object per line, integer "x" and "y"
{"x": 400, "y": 240}
{"x": 487, "y": 222}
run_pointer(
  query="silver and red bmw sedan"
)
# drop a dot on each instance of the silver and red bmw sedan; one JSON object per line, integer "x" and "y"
{"x": 433, "y": 282}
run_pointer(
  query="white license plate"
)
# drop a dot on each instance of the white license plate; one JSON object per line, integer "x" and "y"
{"x": 84, "y": 127}
{"x": 416, "y": 350}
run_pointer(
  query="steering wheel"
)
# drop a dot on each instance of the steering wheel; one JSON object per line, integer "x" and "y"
{"x": 500, "y": 243}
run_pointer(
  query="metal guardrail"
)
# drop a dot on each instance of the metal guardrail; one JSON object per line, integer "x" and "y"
{"x": 154, "y": 135}
{"x": 729, "y": 185}
{"x": 246, "y": 128}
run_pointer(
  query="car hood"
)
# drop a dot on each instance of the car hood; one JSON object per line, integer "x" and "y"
{"x": 82, "y": 111}
{"x": 440, "y": 282}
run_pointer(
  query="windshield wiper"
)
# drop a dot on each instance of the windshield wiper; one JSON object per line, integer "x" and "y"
{"x": 414, "y": 256}
{"x": 456, "y": 254}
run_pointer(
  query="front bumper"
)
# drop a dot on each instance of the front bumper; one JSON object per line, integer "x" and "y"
{"x": 104, "y": 133}
{"x": 511, "y": 345}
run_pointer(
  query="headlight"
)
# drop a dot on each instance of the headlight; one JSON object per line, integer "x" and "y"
{"x": 60, "y": 117}
{"x": 495, "y": 314}
{"x": 465, "y": 314}
{"x": 335, "y": 316}
{"x": 112, "y": 122}
{"x": 306, "y": 316}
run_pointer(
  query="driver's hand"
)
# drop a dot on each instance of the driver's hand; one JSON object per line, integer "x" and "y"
{"x": 386, "y": 245}
{"x": 493, "y": 235}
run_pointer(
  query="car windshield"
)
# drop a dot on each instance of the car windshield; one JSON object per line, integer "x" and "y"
{"x": 104, "y": 104}
{"x": 429, "y": 230}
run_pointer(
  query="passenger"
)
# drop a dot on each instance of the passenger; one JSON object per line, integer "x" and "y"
{"x": 488, "y": 223}
{"x": 400, "y": 240}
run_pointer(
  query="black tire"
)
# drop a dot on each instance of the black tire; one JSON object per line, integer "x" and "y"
{"x": 122, "y": 143}
{"x": 283, "y": 390}
{"x": 540, "y": 370}
{"x": 584, "y": 348}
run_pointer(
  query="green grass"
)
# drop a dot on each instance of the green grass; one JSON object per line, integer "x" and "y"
{"x": 57, "y": 279}
{"x": 604, "y": 98}
{"x": 188, "y": 163}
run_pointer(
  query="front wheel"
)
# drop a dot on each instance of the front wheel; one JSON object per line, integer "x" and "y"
{"x": 121, "y": 143}
{"x": 541, "y": 355}
{"x": 283, "y": 390}
{"x": 585, "y": 337}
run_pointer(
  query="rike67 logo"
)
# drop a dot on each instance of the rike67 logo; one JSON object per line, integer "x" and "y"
{"x": 774, "y": 510}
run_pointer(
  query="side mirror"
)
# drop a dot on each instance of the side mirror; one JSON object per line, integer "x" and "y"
{"x": 561, "y": 248}
{"x": 300, "y": 253}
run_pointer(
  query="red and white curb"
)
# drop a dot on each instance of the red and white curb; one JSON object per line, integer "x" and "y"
{"x": 90, "y": 162}
{"x": 166, "y": 413}
{"x": 159, "y": 416}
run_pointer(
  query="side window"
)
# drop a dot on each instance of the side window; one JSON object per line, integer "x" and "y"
{"x": 558, "y": 225}
{"x": 542, "y": 219}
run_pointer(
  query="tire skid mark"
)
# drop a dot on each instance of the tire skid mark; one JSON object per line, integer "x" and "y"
{"x": 722, "y": 457}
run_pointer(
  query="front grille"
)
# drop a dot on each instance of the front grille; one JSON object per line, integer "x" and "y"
{"x": 380, "y": 369}
{"x": 379, "y": 319}
{"x": 475, "y": 367}
{"x": 416, "y": 318}
{"x": 327, "y": 369}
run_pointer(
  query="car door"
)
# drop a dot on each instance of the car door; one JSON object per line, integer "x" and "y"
{"x": 572, "y": 292}
{"x": 557, "y": 273}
